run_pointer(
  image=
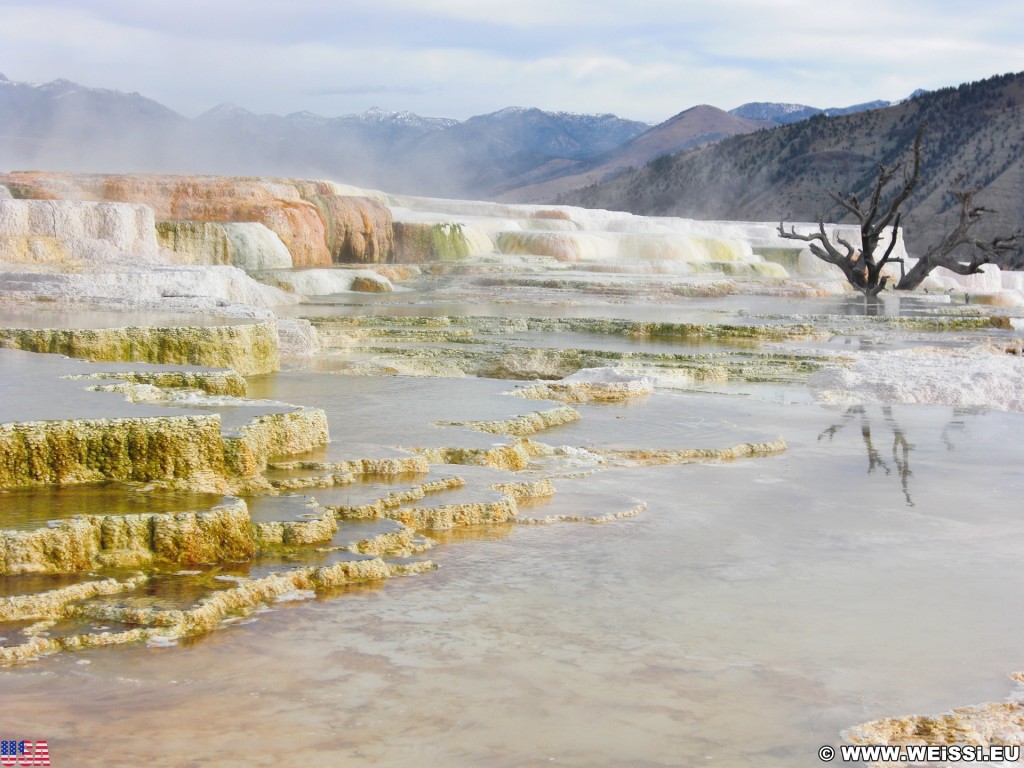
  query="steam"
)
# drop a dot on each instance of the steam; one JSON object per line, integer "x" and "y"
{"x": 61, "y": 126}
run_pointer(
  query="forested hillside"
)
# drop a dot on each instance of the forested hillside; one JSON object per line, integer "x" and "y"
{"x": 976, "y": 129}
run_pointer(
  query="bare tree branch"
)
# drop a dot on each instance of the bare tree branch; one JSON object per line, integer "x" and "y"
{"x": 821, "y": 246}
{"x": 863, "y": 271}
{"x": 962, "y": 239}
{"x": 910, "y": 178}
{"x": 826, "y": 250}
{"x": 892, "y": 242}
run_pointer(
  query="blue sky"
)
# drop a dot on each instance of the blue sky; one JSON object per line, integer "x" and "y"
{"x": 642, "y": 59}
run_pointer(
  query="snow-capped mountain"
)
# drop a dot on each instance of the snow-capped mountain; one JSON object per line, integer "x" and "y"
{"x": 784, "y": 114}
{"x": 66, "y": 126}
{"x": 62, "y": 125}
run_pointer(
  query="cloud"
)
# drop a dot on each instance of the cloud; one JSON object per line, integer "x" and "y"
{"x": 647, "y": 59}
{"x": 365, "y": 90}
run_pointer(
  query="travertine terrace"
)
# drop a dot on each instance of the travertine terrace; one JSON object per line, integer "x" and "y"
{"x": 222, "y": 394}
{"x": 318, "y": 222}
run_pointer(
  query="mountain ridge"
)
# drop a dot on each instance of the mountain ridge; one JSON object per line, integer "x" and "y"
{"x": 785, "y": 113}
{"x": 688, "y": 129}
{"x": 62, "y": 125}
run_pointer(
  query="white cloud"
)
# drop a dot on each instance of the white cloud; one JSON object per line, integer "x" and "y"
{"x": 646, "y": 59}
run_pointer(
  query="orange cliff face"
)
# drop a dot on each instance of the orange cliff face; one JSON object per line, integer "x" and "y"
{"x": 359, "y": 229}
{"x": 318, "y": 226}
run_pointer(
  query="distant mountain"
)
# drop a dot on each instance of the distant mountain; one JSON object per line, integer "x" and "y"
{"x": 359, "y": 149}
{"x": 775, "y": 113}
{"x": 63, "y": 121}
{"x": 976, "y": 129}
{"x": 692, "y": 128}
{"x": 235, "y": 116}
{"x": 836, "y": 111}
{"x": 488, "y": 153}
{"x": 784, "y": 114}
{"x": 38, "y": 104}
{"x": 561, "y": 134}
{"x": 65, "y": 126}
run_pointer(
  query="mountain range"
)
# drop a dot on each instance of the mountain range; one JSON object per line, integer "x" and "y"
{"x": 516, "y": 153}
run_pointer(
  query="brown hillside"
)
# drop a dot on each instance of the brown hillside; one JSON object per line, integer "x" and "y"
{"x": 693, "y": 128}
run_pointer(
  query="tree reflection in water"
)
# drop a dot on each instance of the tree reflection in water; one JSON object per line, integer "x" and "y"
{"x": 901, "y": 447}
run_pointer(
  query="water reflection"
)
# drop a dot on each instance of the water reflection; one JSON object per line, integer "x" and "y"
{"x": 492, "y": 532}
{"x": 889, "y": 455}
{"x": 900, "y": 451}
{"x": 892, "y": 304}
{"x": 957, "y": 425}
{"x": 28, "y": 508}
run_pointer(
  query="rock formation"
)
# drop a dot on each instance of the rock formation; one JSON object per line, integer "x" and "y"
{"x": 591, "y": 385}
{"x": 317, "y": 225}
{"x": 248, "y": 348}
{"x": 130, "y": 541}
{"x": 248, "y": 453}
{"x": 357, "y": 228}
{"x": 322, "y": 282}
{"x": 418, "y": 241}
{"x": 89, "y": 450}
{"x": 411, "y": 346}
{"x": 249, "y": 246}
{"x": 166, "y": 626}
{"x": 527, "y": 424}
{"x": 66, "y": 233}
{"x": 981, "y": 725}
{"x": 186, "y": 450}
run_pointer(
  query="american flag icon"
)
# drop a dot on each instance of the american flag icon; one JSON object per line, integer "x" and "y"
{"x": 24, "y": 753}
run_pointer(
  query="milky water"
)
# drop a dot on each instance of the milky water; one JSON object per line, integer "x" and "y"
{"x": 747, "y": 616}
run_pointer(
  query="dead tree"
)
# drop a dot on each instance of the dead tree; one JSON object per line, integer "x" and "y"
{"x": 862, "y": 268}
{"x": 981, "y": 252}
{"x": 961, "y": 251}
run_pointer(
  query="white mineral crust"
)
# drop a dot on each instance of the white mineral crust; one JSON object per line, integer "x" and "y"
{"x": 983, "y": 376}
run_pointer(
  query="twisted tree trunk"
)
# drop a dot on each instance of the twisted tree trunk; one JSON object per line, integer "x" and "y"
{"x": 862, "y": 269}
{"x": 982, "y": 251}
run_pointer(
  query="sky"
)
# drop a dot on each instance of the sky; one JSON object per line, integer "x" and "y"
{"x": 640, "y": 59}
